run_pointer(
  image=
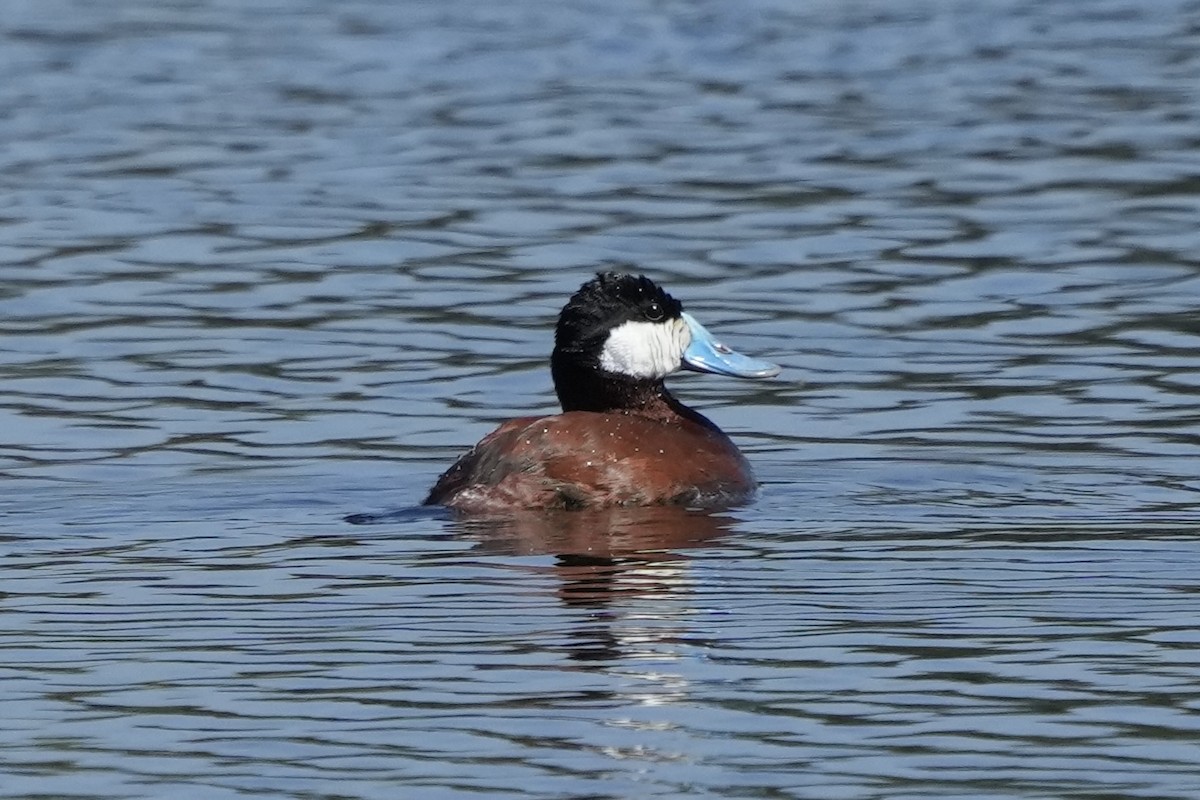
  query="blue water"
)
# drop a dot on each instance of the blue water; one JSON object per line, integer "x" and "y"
{"x": 267, "y": 266}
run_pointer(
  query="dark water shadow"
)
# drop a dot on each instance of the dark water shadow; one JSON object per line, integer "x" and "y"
{"x": 614, "y": 564}
{"x": 606, "y": 563}
{"x": 408, "y": 514}
{"x": 611, "y": 534}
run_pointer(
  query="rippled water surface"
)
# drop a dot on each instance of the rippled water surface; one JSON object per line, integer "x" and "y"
{"x": 267, "y": 265}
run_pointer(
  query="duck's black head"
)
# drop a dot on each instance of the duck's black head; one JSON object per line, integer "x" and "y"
{"x": 620, "y": 335}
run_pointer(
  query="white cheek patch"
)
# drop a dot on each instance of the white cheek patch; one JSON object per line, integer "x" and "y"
{"x": 648, "y": 350}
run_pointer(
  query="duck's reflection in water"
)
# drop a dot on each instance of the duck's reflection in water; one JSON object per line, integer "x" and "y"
{"x": 627, "y": 567}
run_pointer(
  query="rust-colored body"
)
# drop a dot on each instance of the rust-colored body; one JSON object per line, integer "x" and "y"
{"x": 663, "y": 454}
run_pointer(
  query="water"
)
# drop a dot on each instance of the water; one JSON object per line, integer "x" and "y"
{"x": 263, "y": 266}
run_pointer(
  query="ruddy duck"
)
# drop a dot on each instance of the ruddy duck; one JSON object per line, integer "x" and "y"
{"x": 622, "y": 439}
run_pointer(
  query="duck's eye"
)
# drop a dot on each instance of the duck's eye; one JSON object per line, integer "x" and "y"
{"x": 655, "y": 313}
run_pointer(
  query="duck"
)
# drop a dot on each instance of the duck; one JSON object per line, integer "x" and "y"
{"x": 622, "y": 438}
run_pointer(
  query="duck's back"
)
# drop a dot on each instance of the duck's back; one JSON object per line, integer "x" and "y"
{"x": 581, "y": 459}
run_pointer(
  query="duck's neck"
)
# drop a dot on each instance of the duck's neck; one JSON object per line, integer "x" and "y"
{"x": 588, "y": 389}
